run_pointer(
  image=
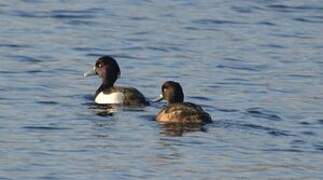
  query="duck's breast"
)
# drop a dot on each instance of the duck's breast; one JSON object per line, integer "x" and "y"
{"x": 111, "y": 98}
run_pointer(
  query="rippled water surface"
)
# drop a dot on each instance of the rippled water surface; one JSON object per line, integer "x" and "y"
{"x": 256, "y": 66}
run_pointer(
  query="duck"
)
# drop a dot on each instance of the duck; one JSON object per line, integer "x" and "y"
{"x": 107, "y": 68}
{"x": 178, "y": 111}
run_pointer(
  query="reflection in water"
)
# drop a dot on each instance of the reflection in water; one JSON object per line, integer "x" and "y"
{"x": 103, "y": 110}
{"x": 109, "y": 109}
{"x": 178, "y": 129}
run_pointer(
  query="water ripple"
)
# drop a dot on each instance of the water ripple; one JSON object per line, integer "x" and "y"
{"x": 262, "y": 113}
{"x": 309, "y": 20}
{"x": 244, "y": 10}
{"x": 237, "y": 68}
{"x": 47, "y": 102}
{"x": 292, "y": 150}
{"x": 201, "y": 98}
{"x": 288, "y": 9}
{"x": 14, "y": 46}
{"x": 25, "y": 59}
{"x": 215, "y": 22}
{"x": 319, "y": 147}
{"x": 58, "y": 14}
{"x": 266, "y": 23}
{"x": 44, "y": 128}
{"x": 271, "y": 131}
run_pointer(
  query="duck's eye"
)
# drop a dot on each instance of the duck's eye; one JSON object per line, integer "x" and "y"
{"x": 164, "y": 90}
{"x": 99, "y": 65}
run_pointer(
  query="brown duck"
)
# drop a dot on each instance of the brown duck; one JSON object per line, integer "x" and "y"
{"x": 178, "y": 111}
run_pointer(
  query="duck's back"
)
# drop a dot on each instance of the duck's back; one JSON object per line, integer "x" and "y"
{"x": 183, "y": 113}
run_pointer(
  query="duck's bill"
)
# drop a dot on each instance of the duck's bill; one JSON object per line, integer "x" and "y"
{"x": 159, "y": 98}
{"x": 90, "y": 73}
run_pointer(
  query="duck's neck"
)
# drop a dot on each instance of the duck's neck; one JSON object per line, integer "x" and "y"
{"x": 175, "y": 99}
{"x": 174, "y": 102}
{"x": 104, "y": 86}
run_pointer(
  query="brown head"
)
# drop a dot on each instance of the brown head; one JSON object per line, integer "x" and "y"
{"x": 172, "y": 92}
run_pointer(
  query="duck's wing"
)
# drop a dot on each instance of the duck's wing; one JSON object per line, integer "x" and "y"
{"x": 132, "y": 96}
{"x": 183, "y": 113}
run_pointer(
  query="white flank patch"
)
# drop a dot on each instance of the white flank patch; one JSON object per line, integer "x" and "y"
{"x": 113, "y": 98}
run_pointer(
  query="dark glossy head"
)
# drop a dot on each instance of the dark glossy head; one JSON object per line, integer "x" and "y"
{"x": 172, "y": 92}
{"x": 107, "y": 68}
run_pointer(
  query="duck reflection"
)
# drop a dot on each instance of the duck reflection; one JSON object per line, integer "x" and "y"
{"x": 103, "y": 110}
{"x": 110, "y": 109}
{"x": 179, "y": 129}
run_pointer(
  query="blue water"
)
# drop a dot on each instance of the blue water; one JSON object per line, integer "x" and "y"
{"x": 256, "y": 66}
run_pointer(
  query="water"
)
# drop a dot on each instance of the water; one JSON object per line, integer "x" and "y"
{"x": 255, "y": 66}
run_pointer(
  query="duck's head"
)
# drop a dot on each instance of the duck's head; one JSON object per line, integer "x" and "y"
{"x": 107, "y": 68}
{"x": 171, "y": 92}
